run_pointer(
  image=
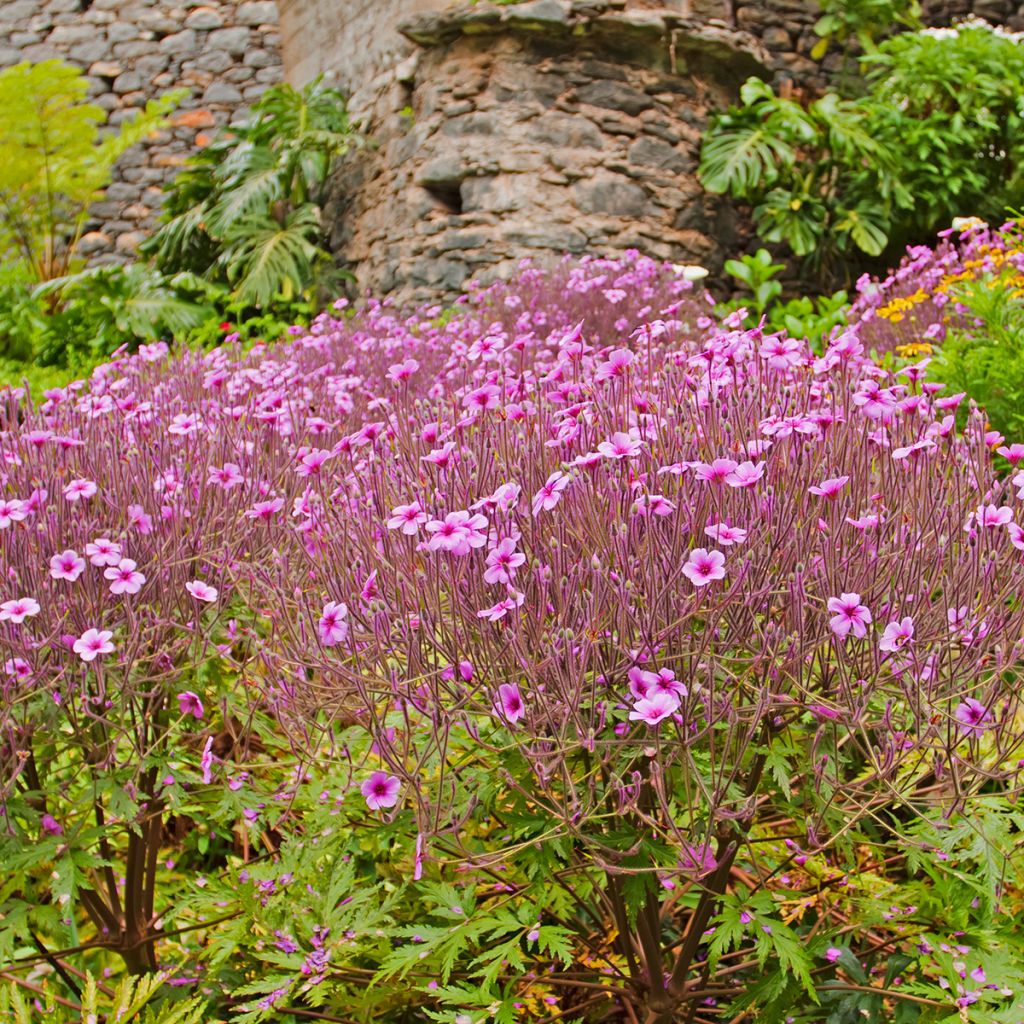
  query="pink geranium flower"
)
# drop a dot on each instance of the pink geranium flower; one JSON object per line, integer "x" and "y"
{"x": 703, "y": 567}
{"x": 190, "y": 704}
{"x": 620, "y": 446}
{"x": 227, "y": 476}
{"x": 548, "y": 496}
{"x": 725, "y": 534}
{"x": 458, "y": 533}
{"x": 502, "y": 608}
{"x": 92, "y": 643}
{"x": 509, "y": 704}
{"x": 654, "y": 708}
{"x": 829, "y": 488}
{"x": 80, "y": 490}
{"x": 202, "y": 591}
{"x": 973, "y": 717}
{"x": 407, "y": 518}
{"x": 502, "y": 562}
{"x": 18, "y": 610}
{"x": 746, "y": 474}
{"x": 848, "y": 616}
{"x": 333, "y": 627}
{"x": 897, "y": 635}
{"x": 265, "y": 510}
{"x": 68, "y": 565}
{"x": 380, "y": 791}
{"x": 125, "y": 577}
{"x": 103, "y": 552}
{"x": 716, "y": 472}
{"x": 11, "y": 511}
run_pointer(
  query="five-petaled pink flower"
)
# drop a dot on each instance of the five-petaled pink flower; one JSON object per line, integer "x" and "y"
{"x": 18, "y": 610}
{"x": 68, "y": 565}
{"x": 548, "y": 496}
{"x": 227, "y": 476}
{"x": 509, "y": 704}
{"x": 103, "y": 552}
{"x": 502, "y": 608}
{"x": 407, "y": 518}
{"x": 125, "y": 577}
{"x": 458, "y": 533}
{"x": 654, "y": 708}
{"x": 898, "y": 634}
{"x": 11, "y": 511}
{"x": 715, "y": 472}
{"x": 201, "y": 591}
{"x": 848, "y": 616}
{"x": 829, "y": 488}
{"x": 380, "y": 790}
{"x": 725, "y": 534}
{"x": 190, "y": 704}
{"x": 265, "y": 510}
{"x": 703, "y": 566}
{"x": 79, "y": 490}
{"x": 746, "y": 474}
{"x": 973, "y": 717}
{"x": 333, "y": 627}
{"x": 621, "y": 446}
{"x": 92, "y": 643}
{"x": 502, "y": 561}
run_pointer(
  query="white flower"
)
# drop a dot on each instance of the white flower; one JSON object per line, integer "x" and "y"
{"x": 690, "y": 272}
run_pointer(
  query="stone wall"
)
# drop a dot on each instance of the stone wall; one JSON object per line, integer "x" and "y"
{"x": 538, "y": 129}
{"x": 225, "y": 52}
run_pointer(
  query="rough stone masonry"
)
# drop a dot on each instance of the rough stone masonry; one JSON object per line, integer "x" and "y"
{"x": 226, "y": 53}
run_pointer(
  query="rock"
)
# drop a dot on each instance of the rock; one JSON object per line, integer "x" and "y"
{"x": 180, "y": 44}
{"x": 257, "y": 12}
{"x": 127, "y": 82}
{"x": 90, "y": 52}
{"x": 204, "y": 18}
{"x": 611, "y": 194}
{"x": 445, "y": 172}
{"x": 130, "y": 241}
{"x": 194, "y": 119}
{"x": 563, "y": 131}
{"x": 614, "y": 96}
{"x": 233, "y": 40}
{"x": 537, "y": 15}
{"x": 260, "y": 59}
{"x": 105, "y": 69}
{"x": 63, "y": 34}
{"x": 648, "y": 152}
{"x": 222, "y": 92}
{"x": 93, "y": 242}
{"x": 216, "y": 61}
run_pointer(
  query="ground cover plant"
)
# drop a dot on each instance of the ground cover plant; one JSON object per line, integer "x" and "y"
{"x": 565, "y": 655}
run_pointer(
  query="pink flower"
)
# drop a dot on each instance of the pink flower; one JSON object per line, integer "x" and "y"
{"x": 458, "y": 533}
{"x": 618, "y": 363}
{"x": 848, "y": 616}
{"x": 402, "y": 371}
{"x": 68, "y": 565}
{"x": 620, "y": 446}
{"x": 19, "y": 610}
{"x": 703, "y": 566}
{"x": 103, "y": 552}
{"x": 11, "y": 511}
{"x": 206, "y": 761}
{"x": 550, "y": 494}
{"x": 643, "y": 683}
{"x": 407, "y": 518}
{"x": 124, "y": 577}
{"x": 1016, "y": 535}
{"x": 227, "y": 476}
{"x": 502, "y": 562}
{"x": 974, "y": 717}
{"x": 717, "y": 471}
{"x": 829, "y": 488}
{"x": 897, "y": 635}
{"x": 1014, "y": 454}
{"x": 502, "y": 608}
{"x": 509, "y": 704}
{"x": 265, "y": 510}
{"x": 485, "y": 397}
{"x": 92, "y": 643}
{"x": 380, "y": 791}
{"x": 79, "y": 490}
{"x": 990, "y": 517}
{"x": 746, "y": 474}
{"x": 725, "y": 534}
{"x": 655, "y": 708}
{"x": 332, "y": 627}
{"x": 202, "y": 591}
{"x": 781, "y": 353}
{"x": 311, "y": 462}
{"x": 654, "y": 505}
{"x": 138, "y": 518}
{"x": 190, "y": 704}
{"x": 184, "y": 423}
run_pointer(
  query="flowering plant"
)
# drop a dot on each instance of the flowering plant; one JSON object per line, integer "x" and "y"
{"x": 637, "y": 662}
